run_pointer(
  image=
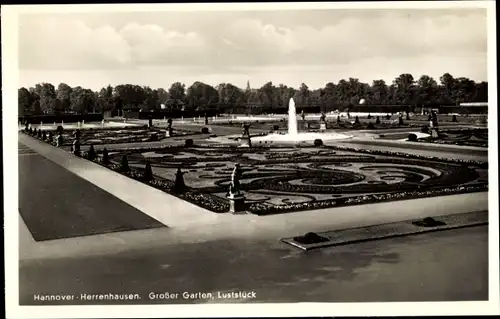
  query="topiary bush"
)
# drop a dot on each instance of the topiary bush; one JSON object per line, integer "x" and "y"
{"x": 91, "y": 155}
{"x": 59, "y": 130}
{"x": 148, "y": 172}
{"x": 44, "y": 135}
{"x": 370, "y": 126}
{"x": 387, "y": 117}
{"x": 377, "y": 121}
{"x": 429, "y": 222}
{"x": 204, "y": 130}
{"x": 105, "y": 157}
{"x": 310, "y": 238}
{"x": 276, "y": 127}
{"x": 369, "y": 116}
{"x": 401, "y": 122}
{"x": 318, "y": 142}
{"x": 412, "y": 137}
{"x": 454, "y": 119}
{"x": 124, "y": 164}
{"x": 425, "y": 129}
{"x": 189, "y": 142}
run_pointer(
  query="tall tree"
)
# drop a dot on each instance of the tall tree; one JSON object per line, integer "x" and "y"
{"x": 427, "y": 90}
{"x": 105, "y": 100}
{"x": 329, "y": 99}
{"x": 404, "y": 89}
{"x": 303, "y": 96}
{"x": 82, "y": 100}
{"x": 379, "y": 92}
{"x": 202, "y": 97}
{"x": 63, "y": 95}
{"x": 25, "y": 101}
{"x": 46, "y": 93}
{"x": 448, "y": 88}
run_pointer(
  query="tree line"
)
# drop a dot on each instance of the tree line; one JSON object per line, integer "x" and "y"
{"x": 44, "y": 98}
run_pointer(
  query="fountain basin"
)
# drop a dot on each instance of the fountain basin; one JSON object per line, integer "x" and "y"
{"x": 301, "y": 137}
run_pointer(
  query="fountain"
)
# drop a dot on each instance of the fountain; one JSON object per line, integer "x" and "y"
{"x": 292, "y": 119}
{"x": 293, "y": 134}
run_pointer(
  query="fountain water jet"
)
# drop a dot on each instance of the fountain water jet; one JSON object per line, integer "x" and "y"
{"x": 293, "y": 134}
{"x": 292, "y": 119}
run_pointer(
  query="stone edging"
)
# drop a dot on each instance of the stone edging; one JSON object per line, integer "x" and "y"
{"x": 391, "y": 230}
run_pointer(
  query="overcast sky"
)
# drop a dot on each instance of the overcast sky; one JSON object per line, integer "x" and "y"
{"x": 290, "y": 47}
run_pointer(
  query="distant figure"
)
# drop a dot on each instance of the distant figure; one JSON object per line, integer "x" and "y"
{"x": 303, "y": 115}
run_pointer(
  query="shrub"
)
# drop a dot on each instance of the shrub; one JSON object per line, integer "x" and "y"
{"x": 91, "y": 155}
{"x": 412, "y": 137}
{"x": 60, "y": 130}
{"x": 204, "y": 130}
{"x": 34, "y": 132}
{"x": 276, "y": 127}
{"x": 454, "y": 119}
{"x": 39, "y": 133}
{"x": 425, "y": 129}
{"x": 338, "y": 118}
{"x": 44, "y": 135}
{"x": 377, "y": 121}
{"x": 30, "y": 130}
{"x": 407, "y": 116}
{"x": 429, "y": 222}
{"x": 387, "y": 117}
{"x": 369, "y": 116}
{"x": 318, "y": 142}
{"x": 105, "y": 157}
{"x": 188, "y": 143}
{"x": 310, "y": 238}
{"x": 124, "y": 164}
{"x": 356, "y": 120}
{"x": 370, "y": 126}
{"x": 148, "y": 172}
{"x": 401, "y": 122}
{"x": 50, "y": 137}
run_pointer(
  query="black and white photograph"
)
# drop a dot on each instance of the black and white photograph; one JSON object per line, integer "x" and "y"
{"x": 238, "y": 157}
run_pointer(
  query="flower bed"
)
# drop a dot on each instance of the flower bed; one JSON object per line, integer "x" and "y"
{"x": 262, "y": 209}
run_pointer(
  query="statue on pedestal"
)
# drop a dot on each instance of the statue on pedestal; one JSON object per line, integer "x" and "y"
{"x": 245, "y": 135}
{"x": 234, "y": 186}
{"x": 322, "y": 118}
{"x": 59, "y": 140}
{"x": 433, "y": 119}
{"x": 76, "y": 147}
{"x": 234, "y": 194}
{"x": 169, "y": 131}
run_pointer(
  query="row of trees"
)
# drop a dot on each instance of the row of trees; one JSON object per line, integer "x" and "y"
{"x": 404, "y": 90}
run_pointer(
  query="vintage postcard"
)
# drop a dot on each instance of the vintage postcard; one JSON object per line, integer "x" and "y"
{"x": 270, "y": 159}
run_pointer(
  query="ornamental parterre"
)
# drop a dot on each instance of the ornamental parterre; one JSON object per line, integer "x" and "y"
{"x": 285, "y": 179}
